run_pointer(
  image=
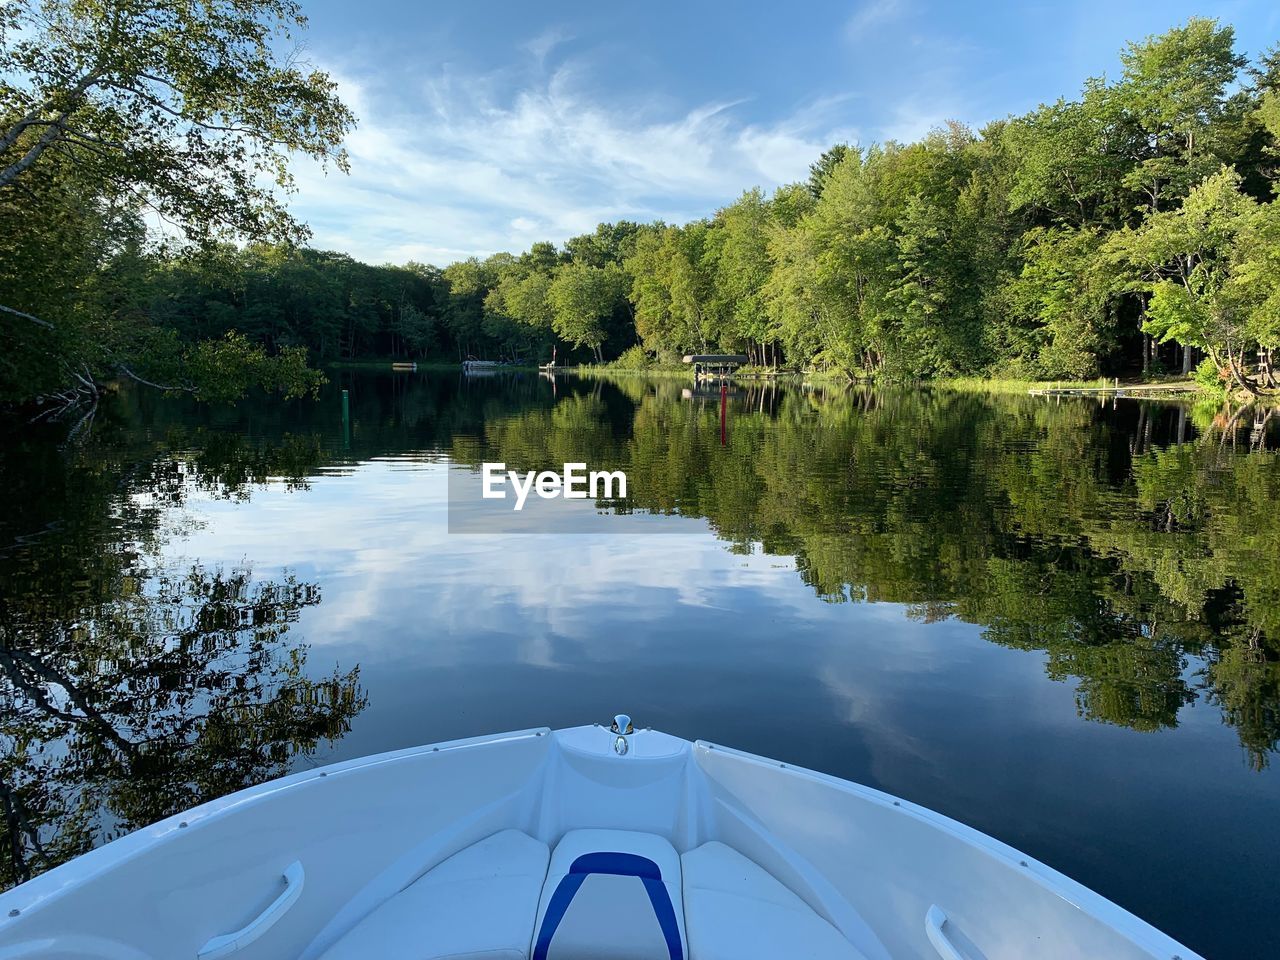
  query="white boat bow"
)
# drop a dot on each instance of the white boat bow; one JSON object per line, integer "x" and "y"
{"x": 582, "y": 843}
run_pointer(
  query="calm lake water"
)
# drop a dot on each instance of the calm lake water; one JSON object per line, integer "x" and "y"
{"x": 1058, "y": 622}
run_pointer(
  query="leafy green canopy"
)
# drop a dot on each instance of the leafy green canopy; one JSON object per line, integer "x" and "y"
{"x": 1030, "y": 248}
{"x": 112, "y": 110}
{"x": 1068, "y": 242}
{"x": 187, "y": 108}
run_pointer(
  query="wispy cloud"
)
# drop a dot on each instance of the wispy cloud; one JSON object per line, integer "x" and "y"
{"x": 873, "y": 14}
{"x": 913, "y": 119}
{"x": 459, "y": 165}
{"x": 545, "y": 42}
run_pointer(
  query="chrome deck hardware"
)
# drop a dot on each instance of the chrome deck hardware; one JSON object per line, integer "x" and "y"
{"x": 622, "y": 727}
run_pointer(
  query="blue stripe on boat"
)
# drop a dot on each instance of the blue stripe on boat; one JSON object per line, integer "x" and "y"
{"x": 620, "y": 865}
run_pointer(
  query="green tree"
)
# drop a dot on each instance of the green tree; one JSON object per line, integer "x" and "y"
{"x": 1176, "y": 87}
{"x": 672, "y": 288}
{"x": 583, "y": 298}
{"x": 186, "y": 107}
{"x": 1065, "y": 295}
{"x": 111, "y": 109}
{"x": 1070, "y": 161}
{"x": 738, "y": 248}
{"x": 1189, "y": 255}
{"x": 820, "y": 170}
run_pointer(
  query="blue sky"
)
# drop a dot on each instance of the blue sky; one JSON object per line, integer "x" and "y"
{"x": 487, "y": 126}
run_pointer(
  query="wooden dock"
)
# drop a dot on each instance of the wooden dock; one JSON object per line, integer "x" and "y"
{"x": 1132, "y": 390}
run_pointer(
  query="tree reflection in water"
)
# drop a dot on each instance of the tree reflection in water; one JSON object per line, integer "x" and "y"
{"x": 130, "y": 691}
{"x": 1135, "y": 546}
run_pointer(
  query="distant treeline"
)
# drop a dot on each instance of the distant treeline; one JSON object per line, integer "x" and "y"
{"x": 1130, "y": 229}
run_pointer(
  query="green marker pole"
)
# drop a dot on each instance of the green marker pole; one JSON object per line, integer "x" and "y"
{"x": 346, "y": 420}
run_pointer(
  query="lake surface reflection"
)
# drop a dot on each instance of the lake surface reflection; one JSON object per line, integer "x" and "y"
{"x": 1056, "y": 622}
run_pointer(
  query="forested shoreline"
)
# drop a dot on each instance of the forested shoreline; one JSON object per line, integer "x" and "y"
{"x": 1129, "y": 230}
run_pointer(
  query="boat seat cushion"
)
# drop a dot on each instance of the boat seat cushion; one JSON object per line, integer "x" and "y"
{"x": 479, "y": 904}
{"x": 736, "y": 910}
{"x": 611, "y": 895}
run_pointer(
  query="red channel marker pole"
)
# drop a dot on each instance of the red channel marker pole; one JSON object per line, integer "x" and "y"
{"x": 724, "y": 401}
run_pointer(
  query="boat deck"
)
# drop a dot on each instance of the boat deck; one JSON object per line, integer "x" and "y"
{"x": 599, "y": 894}
{"x": 600, "y": 842}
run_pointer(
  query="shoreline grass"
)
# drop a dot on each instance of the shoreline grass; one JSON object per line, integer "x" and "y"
{"x": 1174, "y": 385}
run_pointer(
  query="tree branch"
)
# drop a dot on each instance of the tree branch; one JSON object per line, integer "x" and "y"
{"x": 32, "y": 118}
{"x": 26, "y": 316}
{"x": 159, "y": 386}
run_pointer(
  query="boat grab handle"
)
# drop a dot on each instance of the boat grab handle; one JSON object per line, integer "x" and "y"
{"x": 933, "y": 921}
{"x": 229, "y": 943}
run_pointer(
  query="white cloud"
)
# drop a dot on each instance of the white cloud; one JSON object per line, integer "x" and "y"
{"x": 911, "y": 120}
{"x": 543, "y": 592}
{"x": 545, "y": 42}
{"x": 872, "y": 14}
{"x": 460, "y": 165}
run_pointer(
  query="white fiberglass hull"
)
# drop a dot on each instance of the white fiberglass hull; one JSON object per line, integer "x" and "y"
{"x": 316, "y": 865}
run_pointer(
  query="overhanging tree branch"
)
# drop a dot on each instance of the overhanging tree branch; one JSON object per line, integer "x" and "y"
{"x": 27, "y": 316}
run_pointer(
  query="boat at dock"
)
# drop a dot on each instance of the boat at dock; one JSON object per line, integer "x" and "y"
{"x": 600, "y": 841}
{"x": 714, "y": 366}
{"x": 482, "y": 368}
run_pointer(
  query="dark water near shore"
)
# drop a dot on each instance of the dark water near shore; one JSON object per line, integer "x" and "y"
{"x": 1056, "y": 622}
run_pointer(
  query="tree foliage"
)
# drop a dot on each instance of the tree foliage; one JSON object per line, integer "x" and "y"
{"x": 1009, "y": 250}
{"x": 187, "y": 108}
{"x": 1080, "y": 239}
{"x": 115, "y": 110}
{"x": 133, "y": 687}
{"x": 1135, "y": 550}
